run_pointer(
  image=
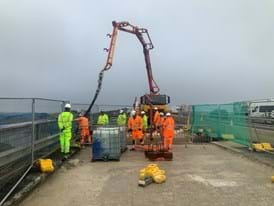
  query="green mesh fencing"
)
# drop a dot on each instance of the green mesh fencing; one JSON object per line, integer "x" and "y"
{"x": 222, "y": 121}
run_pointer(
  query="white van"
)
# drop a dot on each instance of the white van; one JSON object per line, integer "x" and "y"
{"x": 264, "y": 109}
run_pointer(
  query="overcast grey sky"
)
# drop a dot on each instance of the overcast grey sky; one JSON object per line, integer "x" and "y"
{"x": 206, "y": 51}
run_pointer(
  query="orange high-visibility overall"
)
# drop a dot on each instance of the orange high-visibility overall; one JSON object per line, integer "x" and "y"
{"x": 84, "y": 126}
{"x": 168, "y": 132}
{"x": 156, "y": 119}
{"x": 136, "y": 125}
{"x": 161, "y": 122}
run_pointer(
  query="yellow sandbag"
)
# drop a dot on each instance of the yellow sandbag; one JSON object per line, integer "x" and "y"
{"x": 163, "y": 172}
{"x": 46, "y": 165}
{"x": 227, "y": 136}
{"x": 158, "y": 172}
{"x": 159, "y": 179}
{"x": 272, "y": 179}
{"x": 267, "y": 146}
{"x": 150, "y": 172}
{"x": 258, "y": 147}
{"x": 152, "y": 166}
{"x": 142, "y": 170}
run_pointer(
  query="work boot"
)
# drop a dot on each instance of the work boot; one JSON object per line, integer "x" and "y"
{"x": 65, "y": 157}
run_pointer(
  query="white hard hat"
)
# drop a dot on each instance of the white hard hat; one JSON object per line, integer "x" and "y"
{"x": 161, "y": 113}
{"x": 155, "y": 108}
{"x": 133, "y": 112}
{"x": 142, "y": 112}
{"x": 67, "y": 106}
{"x": 168, "y": 114}
{"x": 121, "y": 111}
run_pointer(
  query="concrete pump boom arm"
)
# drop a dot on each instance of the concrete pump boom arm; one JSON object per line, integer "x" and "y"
{"x": 147, "y": 46}
{"x": 139, "y": 32}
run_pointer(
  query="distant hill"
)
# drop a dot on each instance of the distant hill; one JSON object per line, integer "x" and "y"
{"x": 10, "y": 118}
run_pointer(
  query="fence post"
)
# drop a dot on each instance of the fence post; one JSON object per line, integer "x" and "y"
{"x": 219, "y": 121}
{"x": 33, "y": 130}
{"x": 193, "y": 119}
{"x": 62, "y": 106}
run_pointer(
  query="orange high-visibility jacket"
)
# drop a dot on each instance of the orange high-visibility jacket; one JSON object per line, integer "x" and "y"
{"x": 135, "y": 124}
{"x": 168, "y": 127}
{"x": 83, "y": 122}
{"x": 162, "y": 119}
{"x": 156, "y": 118}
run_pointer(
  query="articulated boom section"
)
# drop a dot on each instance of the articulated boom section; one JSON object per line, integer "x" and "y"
{"x": 140, "y": 33}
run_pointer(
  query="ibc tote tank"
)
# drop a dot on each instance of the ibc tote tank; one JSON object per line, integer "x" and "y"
{"x": 106, "y": 144}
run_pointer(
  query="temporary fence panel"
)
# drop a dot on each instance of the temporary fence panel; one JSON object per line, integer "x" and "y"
{"x": 222, "y": 121}
{"x": 261, "y": 121}
{"x": 28, "y": 131}
{"x": 15, "y": 141}
{"x": 46, "y": 126}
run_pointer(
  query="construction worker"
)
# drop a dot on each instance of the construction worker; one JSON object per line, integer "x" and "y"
{"x": 162, "y": 118}
{"x": 145, "y": 123}
{"x": 84, "y": 127}
{"x": 161, "y": 122}
{"x": 103, "y": 119}
{"x": 122, "y": 118}
{"x": 168, "y": 131}
{"x": 135, "y": 126}
{"x": 145, "y": 120}
{"x": 156, "y": 118}
{"x": 65, "y": 125}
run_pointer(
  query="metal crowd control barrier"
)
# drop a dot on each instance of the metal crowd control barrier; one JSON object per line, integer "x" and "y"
{"x": 28, "y": 131}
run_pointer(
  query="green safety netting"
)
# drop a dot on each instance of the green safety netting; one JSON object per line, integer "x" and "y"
{"x": 222, "y": 121}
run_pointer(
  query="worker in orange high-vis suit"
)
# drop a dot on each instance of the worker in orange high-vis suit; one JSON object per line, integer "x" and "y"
{"x": 156, "y": 118}
{"x": 162, "y": 119}
{"x": 168, "y": 131}
{"x": 135, "y": 126}
{"x": 84, "y": 127}
{"x": 161, "y": 123}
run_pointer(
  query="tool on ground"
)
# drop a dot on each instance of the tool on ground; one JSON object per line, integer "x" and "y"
{"x": 145, "y": 182}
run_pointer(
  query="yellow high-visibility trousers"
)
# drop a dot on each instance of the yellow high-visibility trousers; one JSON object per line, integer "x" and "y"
{"x": 65, "y": 138}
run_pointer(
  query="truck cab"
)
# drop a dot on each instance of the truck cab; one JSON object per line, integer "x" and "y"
{"x": 160, "y": 101}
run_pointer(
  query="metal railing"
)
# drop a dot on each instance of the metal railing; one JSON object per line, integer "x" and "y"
{"x": 28, "y": 131}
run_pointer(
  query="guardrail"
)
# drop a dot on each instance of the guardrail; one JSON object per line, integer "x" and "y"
{"x": 28, "y": 131}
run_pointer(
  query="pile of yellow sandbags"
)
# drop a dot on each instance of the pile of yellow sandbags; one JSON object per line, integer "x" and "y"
{"x": 153, "y": 171}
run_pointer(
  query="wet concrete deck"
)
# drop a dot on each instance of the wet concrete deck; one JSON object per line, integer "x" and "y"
{"x": 199, "y": 175}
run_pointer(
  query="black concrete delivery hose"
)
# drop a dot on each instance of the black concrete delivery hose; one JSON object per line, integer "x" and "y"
{"x": 100, "y": 81}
